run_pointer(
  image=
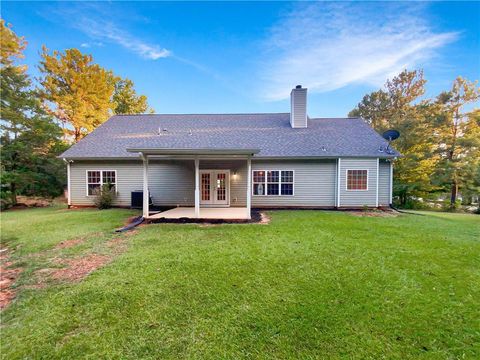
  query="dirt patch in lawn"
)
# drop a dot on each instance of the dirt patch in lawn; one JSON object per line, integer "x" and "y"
{"x": 264, "y": 219}
{"x": 69, "y": 243}
{"x": 8, "y": 276}
{"x": 375, "y": 213}
{"x": 78, "y": 268}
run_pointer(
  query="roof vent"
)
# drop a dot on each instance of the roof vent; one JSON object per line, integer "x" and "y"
{"x": 162, "y": 131}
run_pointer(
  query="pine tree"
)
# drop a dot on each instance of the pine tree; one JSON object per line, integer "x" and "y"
{"x": 30, "y": 139}
{"x": 399, "y": 106}
{"x": 457, "y": 134}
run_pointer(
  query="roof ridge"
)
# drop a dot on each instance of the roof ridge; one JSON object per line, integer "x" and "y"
{"x": 259, "y": 113}
{"x": 334, "y": 118}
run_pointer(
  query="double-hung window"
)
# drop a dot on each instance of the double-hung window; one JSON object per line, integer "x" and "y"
{"x": 272, "y": 182}
{"x": 97, "y": 178}
{"x": 357, "y": 180}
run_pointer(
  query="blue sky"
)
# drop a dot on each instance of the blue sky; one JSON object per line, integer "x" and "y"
{"x": 229, "y": 57}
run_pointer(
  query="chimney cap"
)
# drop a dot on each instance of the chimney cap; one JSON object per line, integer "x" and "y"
{"x": 298, "y": 87}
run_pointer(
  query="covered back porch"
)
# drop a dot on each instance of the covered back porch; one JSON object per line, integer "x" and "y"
{"x": 219, "y": 191}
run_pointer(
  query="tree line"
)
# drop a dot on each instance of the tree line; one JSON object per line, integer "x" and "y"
{"x": 440, "y": 138}
{"x": 39, "y": 120}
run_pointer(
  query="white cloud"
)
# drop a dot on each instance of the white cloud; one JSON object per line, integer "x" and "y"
{"x": 88, "y": 45}
{"x": 96, "y": 20}
{"x": 326, "y": 46}
{"x": 107, "y": 31}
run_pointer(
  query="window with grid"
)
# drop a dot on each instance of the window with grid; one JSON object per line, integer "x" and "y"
{"x": 287, "y": 183}
{"x": 273, "y": 182}
{"x": 357, "y": 179}
{"x": 259, "y": 183}
{"x": 97, "y": 178}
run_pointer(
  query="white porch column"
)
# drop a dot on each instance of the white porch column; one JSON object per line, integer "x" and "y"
{"x": 146, "y": 198}
{"x": 249, "y": 188}
{"x": 197, "y": 187}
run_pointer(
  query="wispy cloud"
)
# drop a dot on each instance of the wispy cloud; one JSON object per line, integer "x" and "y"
{"x": 88, "y": 44}
{"x": 97, "y": 22}
{"x": 109, "y": 32}
{"x": 326, "y": 46}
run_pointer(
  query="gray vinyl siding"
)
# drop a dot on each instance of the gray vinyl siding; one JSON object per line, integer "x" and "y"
{"x": 384, "y": 183}
{"x": 314, "y": 183}
{"x": 171, "y": 182}
{"x": 358, "y": 198}
{"x": 129, "y": 178}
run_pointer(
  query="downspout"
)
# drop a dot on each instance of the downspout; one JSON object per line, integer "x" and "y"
{"x": 69, "y": 196}
{"x": 391, "y": 184}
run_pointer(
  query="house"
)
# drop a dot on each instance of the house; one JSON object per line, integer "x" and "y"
{"x": 222, "y": 165}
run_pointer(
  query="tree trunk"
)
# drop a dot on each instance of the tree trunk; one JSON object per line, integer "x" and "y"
{"x": 77, "y": 135}
{"x": 454, "y": 191}
{"x": 13, "y": 196}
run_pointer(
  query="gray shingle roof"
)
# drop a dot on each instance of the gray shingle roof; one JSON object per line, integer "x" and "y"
{"x": 270, "y": 133}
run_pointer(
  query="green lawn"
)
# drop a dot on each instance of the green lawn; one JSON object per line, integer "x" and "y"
{"x": 309, "y": 285}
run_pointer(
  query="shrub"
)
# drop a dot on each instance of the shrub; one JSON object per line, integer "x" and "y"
{"x": 415, "y": 204}
{"x": 447, "y": 206}
{"x": 6, "y": 200}
{"x": 104, "y": 197}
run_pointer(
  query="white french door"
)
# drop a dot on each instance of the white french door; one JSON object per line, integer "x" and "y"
{"x": 214, "y": 187}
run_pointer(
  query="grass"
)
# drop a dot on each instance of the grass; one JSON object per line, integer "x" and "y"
{"x": 309, "y": 285}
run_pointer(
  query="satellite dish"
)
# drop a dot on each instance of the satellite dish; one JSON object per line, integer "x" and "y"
{"x": 391, "y": 135}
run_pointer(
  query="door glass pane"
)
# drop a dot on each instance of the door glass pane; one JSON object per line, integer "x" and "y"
{"x": 221, "y": 188}
{"x": 206, "y": 187}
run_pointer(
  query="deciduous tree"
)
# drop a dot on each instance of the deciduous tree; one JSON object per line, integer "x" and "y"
{"x": 125, "y": 99}
{"x": 75, "y": 90}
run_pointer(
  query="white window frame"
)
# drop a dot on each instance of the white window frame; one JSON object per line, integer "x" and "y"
{"x": 279, "y": 182}
{"x": 346, "y": 179}
{"x": 101, "y": 179}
